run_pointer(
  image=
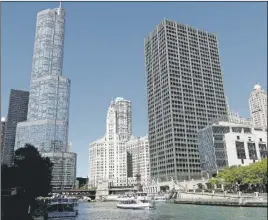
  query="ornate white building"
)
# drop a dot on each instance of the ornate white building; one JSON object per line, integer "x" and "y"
{"x": 108, "y": 156}
{"x": 258, "y": 107}
{"x": 118, "y": 156}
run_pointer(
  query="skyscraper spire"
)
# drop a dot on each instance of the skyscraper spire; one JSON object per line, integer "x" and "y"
{"x": 60, "y": 5}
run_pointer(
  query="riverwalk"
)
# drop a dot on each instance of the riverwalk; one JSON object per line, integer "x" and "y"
{"x": 222, "y": 199}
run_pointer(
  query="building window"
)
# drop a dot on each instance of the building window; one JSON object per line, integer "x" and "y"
{"x": 240, "y": 150}
{"x": 238, "y": 138}
{"x": 252, "y": 151}
{"x": 237, "y": 129}
{"x": 260, "y": 139}
{"x": 263, "y": 150}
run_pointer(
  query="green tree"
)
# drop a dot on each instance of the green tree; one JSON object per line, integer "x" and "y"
{"x": 8, "y": 177}
{"x": 34, "y": 172}
{"x": 244, "y": 178}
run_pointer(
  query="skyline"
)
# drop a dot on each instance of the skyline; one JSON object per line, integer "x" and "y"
{"x": 91, "y": 124}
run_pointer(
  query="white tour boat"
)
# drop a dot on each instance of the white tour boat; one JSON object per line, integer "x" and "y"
{"x": 136, "y": 195}
{"x": 61, "y": 207}
{"x": 134, "y": 203}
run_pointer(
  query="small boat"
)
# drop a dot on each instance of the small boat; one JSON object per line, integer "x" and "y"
{"x": 134, "y": 203}
{"x": 61, "y": 208}
{"x": 159, "y": 198}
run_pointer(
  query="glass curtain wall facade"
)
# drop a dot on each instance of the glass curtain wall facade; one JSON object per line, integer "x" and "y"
{"x": 47, "y": 122}
{"x": 48, "y": 114}
{"x": 184, "y": 91}
{"x": 65, "y": 168}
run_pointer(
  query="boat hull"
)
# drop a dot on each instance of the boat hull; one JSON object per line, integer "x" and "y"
{"x": 160, "y": 200}
{"x": 135, "y": 207}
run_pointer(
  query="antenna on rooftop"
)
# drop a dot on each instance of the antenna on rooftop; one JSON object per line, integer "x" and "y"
{"x": 60, "y": 5}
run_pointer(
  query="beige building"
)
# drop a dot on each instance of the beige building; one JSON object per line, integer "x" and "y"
{"x": 258, "y": 106}
{"x": 138, "y": 160}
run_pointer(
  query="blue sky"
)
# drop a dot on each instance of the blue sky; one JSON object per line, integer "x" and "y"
{"x": 104, "y": 55}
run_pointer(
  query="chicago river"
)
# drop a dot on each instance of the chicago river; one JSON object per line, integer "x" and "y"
{"x": 168, "y": 211}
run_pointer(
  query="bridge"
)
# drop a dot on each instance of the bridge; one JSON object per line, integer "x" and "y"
{"x": 154, "y": 187}
{"x": 92, "y": 192}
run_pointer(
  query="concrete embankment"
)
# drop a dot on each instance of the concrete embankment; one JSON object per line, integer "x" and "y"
{"x": 222, "y": 203}
{"x": 221, "y": 200}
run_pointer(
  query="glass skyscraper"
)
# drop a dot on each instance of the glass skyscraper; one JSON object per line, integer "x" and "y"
{"x": 48, "y": 114}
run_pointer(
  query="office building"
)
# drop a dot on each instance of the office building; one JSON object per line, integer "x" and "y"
{"x": 108, "y": 155}
{"x": 97, "y": 170}
{"x": 64, "y": 169}
{"x": 17, "y": 112}
{"x": 124, "y": 118}
{"x": 185, "y": 92}
{"x": 3, "y": 131}
{"x": 224, "y": 144}
{"x": 81, "y": 182}
{"x": 48, "y": 113}
{"x": 258, "y": 106}
{"x": 138, "y": 160}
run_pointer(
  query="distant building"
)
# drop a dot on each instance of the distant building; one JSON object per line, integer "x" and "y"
{"x": 258, "y": 106}
{"x": 64, "y": 169}
{"x": 138, "y": 160}
{"x": 3, "y": 131}
{"x": 69, "y": 149}
{"x": 224, "y": 144}
{"x": 17, "y": 112}
{"x": 114, "y": 158}
{"x": 234, "y": 117}
{"x": 123, "y": 118}
{"x": 81, "y": 182}
{"x": 108, "y": 156}
{"x": 98, "y": 162}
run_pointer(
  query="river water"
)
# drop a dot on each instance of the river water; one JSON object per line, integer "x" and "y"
{"x": 168, "y": 211}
